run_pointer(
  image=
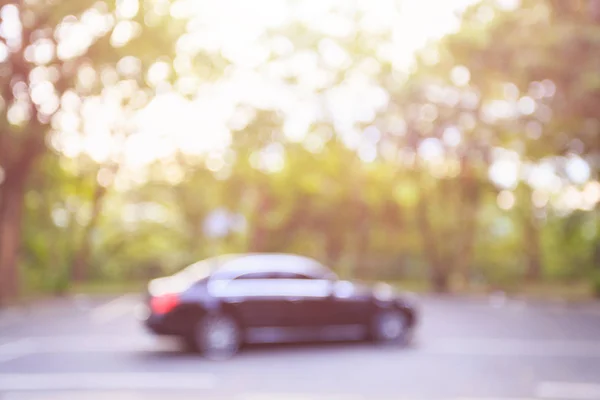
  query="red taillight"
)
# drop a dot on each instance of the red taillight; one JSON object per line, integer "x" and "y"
{"x": 163, "y": 304}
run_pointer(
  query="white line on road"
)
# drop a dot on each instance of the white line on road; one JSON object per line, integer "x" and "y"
{"x": 512, "y": 347}
{"x": 114, "y": 309}
{"x": 88, "y": 395}
{"x": 568, "y": 390}
{"x": 298, "y": 396}
{"x": 139, "y": 395}
{"x": 494, "y": 398}
{"x": 18, "y": 348}
{"x": 85, "y": 343}
{"x": 11, "y": 317}
{"x": 106, "y": 381}
{"x": 9, "y": 357}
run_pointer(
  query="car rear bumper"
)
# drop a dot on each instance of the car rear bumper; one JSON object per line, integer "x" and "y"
{"x": 156, "y": 325}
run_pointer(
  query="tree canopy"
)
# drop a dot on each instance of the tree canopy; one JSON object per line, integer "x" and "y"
{"x": 478, "y": 164}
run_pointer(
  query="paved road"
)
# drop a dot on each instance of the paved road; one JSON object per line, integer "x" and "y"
{"x": 465, "y": 349}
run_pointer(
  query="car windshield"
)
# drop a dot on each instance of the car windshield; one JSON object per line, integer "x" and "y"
{"x": 202, "y": 269}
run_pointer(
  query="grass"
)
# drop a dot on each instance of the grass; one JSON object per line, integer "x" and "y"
{"x": 543, "y": 291}
{"x": 574, "y": 291}
{"x": 107, "y": 287}
{"x": 30, "y": 296}
{"x": 567, "y": 291}
{"x": 416, "y": 286}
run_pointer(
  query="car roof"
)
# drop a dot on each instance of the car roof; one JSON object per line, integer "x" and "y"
{"x": 237, "y": 264}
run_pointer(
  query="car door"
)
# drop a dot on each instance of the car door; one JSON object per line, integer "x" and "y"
{"x": 307, "y": 298}
{"x": 255, "y": 298}
{"x": 350, "y": 304}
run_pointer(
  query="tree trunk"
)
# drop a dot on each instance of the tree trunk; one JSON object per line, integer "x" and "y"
{"x": 297, "y": 219}
{"x": 439, "y": 280}
{"x": 438, "y": 271}
{"x": 363, "y": 235}
{"x": 11, "y": 211}
{"x": 17, "y": 162}
{"x": 333, "y": 248}
{"x": 258, "y": 241}
{"x": 532, "y": 249}
{"x": 469, "y": 205}
{"x": 79, "y": 267}
{"x": 531, "y": 237}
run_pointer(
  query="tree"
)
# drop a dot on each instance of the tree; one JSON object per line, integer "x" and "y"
{"x": 57, "y": 52}
{"x": 542, "y": 59}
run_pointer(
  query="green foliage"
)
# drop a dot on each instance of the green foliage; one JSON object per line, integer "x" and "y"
{"x": 404, "y": 216}
{"x": 596, "y": 283}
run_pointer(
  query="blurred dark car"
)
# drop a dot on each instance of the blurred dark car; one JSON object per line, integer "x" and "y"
{"x": 218, "y": 304}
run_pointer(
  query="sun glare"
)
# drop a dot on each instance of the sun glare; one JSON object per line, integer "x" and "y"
{"x": 201, "y": 121}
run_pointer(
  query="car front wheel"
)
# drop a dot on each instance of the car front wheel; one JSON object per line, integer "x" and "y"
{"x": 217, "y": 337}
{"x": 390, "y": 326}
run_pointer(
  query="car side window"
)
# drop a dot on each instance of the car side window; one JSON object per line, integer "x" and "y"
{"x": 292, "y": 275}
{"x": 256, "y": 275}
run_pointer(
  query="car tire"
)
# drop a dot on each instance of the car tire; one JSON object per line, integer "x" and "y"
{"x": 390, "y": 327}
{"x": 217, "y": 336}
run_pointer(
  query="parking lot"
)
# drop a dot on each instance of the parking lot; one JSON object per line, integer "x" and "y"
{"x": 464, "y": 349}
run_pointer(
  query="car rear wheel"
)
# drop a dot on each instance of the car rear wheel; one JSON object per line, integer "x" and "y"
{"x": 390, "y": 326}
{"x": 217, "y": 337}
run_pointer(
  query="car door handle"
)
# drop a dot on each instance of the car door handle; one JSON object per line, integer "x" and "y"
{"x": 294, "y": 299}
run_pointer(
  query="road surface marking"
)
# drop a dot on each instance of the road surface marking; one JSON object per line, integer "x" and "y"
{"x": 18, "y": 348}
{"x": 11, "y": 317}
{"x": 9, "y": 357}
{"x": 297, "y": 396}
{"x": 568, "y": 390}
{"x": 83, "y": 344}
{"x": 494, "y": 398}
{"x": 512, "y": 347}
{"x": 114, "y": 309}
{"x": 139, "y": 395}
{"x": 86, "y": 395}
{"x": 91, "y": 343}
{"x": 106, "y": 381}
